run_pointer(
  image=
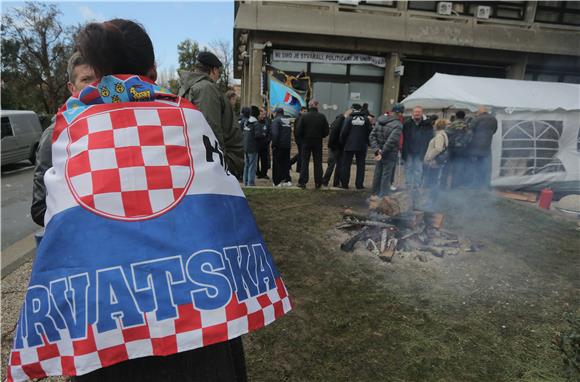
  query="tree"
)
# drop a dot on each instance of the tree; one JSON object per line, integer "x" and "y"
{"x": 223, "y": 50}
{"x": 35, "y": 50}
{"x": 187, "y": 54}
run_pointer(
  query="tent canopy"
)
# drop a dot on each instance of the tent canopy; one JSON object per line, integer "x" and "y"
{"x": 444, "y": 91}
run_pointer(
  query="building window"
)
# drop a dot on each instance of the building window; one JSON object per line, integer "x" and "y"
{"x": 290, "y": 66}
{"x": 367, "y": 70}
{"x": 552, "y": 76}
{"x": 380, "y": 3}
{"x": 423, "y": 5}
{"x": 328, "y": 68}
{"x": 511, "y": 10}
{"x": 558, "y": 12}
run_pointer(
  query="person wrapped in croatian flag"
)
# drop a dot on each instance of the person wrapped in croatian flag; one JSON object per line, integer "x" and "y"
{"x": 150, "y": 247}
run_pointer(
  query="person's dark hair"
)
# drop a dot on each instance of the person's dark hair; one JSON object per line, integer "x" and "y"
{"x": 365, "y": 106}
{"x": 460, "y": 114}
{"x": 255, "y": 111}
{"x": 202, "y": 68}
{"x": 116, "y": 47}
{"x": 303, "y": 108}
{"x": 356, "y": 106}
{"x": 246, "y": 111}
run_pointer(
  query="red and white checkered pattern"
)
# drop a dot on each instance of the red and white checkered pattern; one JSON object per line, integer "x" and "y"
{"x": 191, "y": 330}
{"x": 129, "y": 164}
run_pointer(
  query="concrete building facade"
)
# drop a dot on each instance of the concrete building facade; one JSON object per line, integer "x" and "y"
{"x": 380, "y": 51}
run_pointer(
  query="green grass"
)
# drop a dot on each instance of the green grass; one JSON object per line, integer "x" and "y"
{"x": 488, "y": 316}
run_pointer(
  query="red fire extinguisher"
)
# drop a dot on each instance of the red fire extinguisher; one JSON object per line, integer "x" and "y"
{"x": 546, "y": 198}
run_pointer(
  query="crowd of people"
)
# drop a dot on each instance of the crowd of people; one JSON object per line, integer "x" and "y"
{"x": 435, "y": 152}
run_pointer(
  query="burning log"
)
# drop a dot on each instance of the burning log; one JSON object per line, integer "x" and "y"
{"x": 434, "y": 220}
{"x": 348, "y": 246}
{"x": 392, "y": 205}
{"x": 389, "y": 252}
{"x": 393, "y": 225}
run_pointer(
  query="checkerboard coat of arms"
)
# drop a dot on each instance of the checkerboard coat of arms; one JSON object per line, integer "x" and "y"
{"x": 150, "y": 247}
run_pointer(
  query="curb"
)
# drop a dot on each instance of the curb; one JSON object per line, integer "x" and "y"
{"x": 17, "y": 254}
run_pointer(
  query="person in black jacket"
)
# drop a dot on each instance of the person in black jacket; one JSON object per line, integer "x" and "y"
{"x": 335, "y": 151}
{"x": 355, "y": 138}
{"x": 298, "y": 158}
{"x": 483, "y": 128}
{"x": 311, "y": 129}
{"x": 384, "y": 140}
{"x": 281, "y": 143}
{"x": 417, "y": 133}
{"x": 264, "y": 146}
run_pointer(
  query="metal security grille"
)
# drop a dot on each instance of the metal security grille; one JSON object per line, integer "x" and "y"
{"x": 530, "y": 147}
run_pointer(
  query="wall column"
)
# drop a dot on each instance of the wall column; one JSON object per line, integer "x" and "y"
{"x": 517, "y": 70}
{"x": 255, "y": 73}
{"x": 391, "y": 82}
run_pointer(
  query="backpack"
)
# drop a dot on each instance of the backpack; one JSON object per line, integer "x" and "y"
{"x": 443, "y": 157}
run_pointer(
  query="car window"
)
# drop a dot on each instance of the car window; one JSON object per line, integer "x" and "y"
{"x": 6, "y": 128}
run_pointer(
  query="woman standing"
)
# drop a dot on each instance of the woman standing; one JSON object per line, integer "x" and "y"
{"x": 435, "y": 160}
{"x": 143, "y": 273}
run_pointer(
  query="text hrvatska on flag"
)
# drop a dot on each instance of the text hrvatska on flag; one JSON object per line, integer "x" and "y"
{"x": 150, "y": 247}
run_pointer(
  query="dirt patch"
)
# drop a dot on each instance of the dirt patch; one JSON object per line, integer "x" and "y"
{"x": 489, "y": 315}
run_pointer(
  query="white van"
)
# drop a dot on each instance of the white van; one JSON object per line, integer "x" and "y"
{"x": 21, "y": 133}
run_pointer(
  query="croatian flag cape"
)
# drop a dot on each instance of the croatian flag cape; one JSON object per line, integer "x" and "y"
{"x": 150, "y": 247}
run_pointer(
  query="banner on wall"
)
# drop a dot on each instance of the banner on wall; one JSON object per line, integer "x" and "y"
{"x": 327, "y": 57}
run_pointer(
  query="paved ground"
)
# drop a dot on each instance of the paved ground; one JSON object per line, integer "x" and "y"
{"x": 17, "y": 226}
{"x": 16, "y": 200}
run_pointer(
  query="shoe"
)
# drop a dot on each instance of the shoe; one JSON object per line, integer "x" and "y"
{"x": 393, "y": 188}
{"x": 277, "y": 185}
{"x": 325, "y": 184}
{"x": 318, "y": 186}
{"x": 360, "y": 188}
{"x": 303, "y": 186}
{"x": 287, "y": 184}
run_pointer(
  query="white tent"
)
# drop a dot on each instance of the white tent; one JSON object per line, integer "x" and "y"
{"x": 537, "y": 143}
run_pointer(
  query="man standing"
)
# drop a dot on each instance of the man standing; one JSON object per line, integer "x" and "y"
{"x": 79, "y": 76}
{"x": 252, "y": 134}
{"x": 298, "y": 158}
{"x": 483, "y": 128}
{"x": 281, "y": 143}
{"x": 200, "y": 88}
{"x": 384, "y": 140}
{"x": 355, "y": 138}
{"x": 335, "y": 151}
{"x": 264, "y": 145}
{"x": 311, "y": 129}
{"x": 417, "y": 133}
{"x": 459, "y": 139}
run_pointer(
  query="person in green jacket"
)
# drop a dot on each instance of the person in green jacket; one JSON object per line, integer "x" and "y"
{"x": 201, "y": 89}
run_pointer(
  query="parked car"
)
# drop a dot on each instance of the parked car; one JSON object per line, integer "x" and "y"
{"x": 21, "y": 133}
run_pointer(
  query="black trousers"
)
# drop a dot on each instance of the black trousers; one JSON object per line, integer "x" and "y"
{"x": 334, "y": 164}
{"x": 280, "y": 165}
{"x": 347, "y": 157}
{"x": 297, "y": 158}
{"x": 221, "y": 362}
{"x": 314, "y": 149}
{"x": 263, "y": 162}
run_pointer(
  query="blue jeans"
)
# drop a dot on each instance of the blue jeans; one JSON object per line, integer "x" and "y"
{"x": 481, "y": 171}
{"x": 413, "y": 172}
{"x": 384, "y": 170}
{"x": 250, "y": 165}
